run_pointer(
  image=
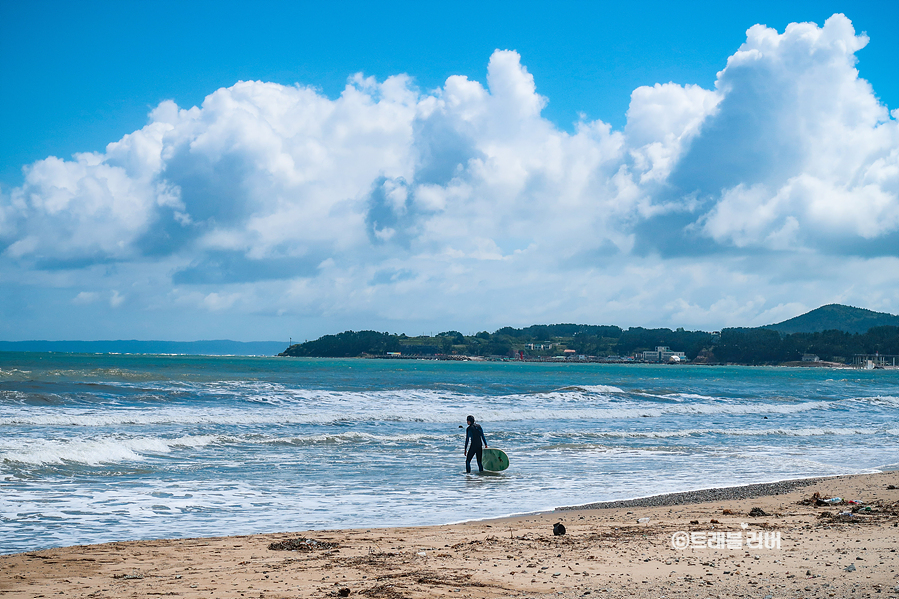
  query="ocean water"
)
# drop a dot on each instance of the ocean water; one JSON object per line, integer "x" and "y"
{"x": 97, "y": 448}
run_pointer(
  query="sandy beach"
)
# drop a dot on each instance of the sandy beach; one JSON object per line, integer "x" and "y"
{"x": 795, "y": 545}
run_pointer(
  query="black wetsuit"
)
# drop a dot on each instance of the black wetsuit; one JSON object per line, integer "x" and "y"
{"x": 474, "y": 435}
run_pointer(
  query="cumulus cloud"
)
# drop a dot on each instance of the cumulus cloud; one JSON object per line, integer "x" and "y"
{"x": 800, "y": 150}
{"x": 86, "y": 297}
{"x": 388, "y": 193}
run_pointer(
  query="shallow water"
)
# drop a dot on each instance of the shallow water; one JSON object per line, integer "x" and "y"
{"x": 96, "y": 448}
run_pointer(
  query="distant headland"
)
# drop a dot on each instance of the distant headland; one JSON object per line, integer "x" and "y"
{"x": 832, "y": 335}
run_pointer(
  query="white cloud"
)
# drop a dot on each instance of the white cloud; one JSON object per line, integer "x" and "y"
{"x": 386, "y": 198}
{"x": 116, "y": 299}
{"x": 814, "y": 150}
{"x": 661, "y": 121}
{"x": 86, "y": 297}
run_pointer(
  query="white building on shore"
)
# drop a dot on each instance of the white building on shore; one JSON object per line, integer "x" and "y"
{"x": 664, "y": 354}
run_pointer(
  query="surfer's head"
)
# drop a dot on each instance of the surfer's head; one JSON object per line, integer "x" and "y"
{"x": 470, "y": 419}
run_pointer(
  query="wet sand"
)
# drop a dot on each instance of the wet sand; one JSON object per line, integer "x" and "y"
{"x": 609, "y": 550}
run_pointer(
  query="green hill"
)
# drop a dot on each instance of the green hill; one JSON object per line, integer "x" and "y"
{"x": 835, "y": 317}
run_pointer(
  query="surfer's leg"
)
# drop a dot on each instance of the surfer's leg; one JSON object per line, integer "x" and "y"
{"x": 468, "y": 460}
{"x": 480, "y": 453}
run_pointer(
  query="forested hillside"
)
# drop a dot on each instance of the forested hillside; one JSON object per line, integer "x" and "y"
{"x": 764, "y": 345}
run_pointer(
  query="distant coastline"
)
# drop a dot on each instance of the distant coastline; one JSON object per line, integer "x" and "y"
{"x": 858, "y": 337}
{"x": 219, "y": 347}
{"x": 602, "y": 360}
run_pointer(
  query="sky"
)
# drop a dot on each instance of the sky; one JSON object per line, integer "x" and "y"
{"x": 275, "y": 170}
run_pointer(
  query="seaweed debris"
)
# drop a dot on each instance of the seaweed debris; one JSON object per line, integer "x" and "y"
{"x": 302, "y": 544}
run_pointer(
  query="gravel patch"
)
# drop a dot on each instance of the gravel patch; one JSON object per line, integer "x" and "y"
{"x": 702, "y": 495}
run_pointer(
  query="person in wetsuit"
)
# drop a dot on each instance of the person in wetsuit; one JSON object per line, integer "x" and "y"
{"x": 474, "y": 436}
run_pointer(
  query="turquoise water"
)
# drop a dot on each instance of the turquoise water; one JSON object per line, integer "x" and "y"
{"x": 97, "y": 448}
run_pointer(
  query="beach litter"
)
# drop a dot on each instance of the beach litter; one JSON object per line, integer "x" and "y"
{"x": 757, "y": 512}
{"x": 819, "y": 500}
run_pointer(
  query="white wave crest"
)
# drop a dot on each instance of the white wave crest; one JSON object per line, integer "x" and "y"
{"x": 680, "y": 397}
{"x": 744, "y": 432}
{"x": 396, "y": 409}
{"x": 358, "y": 437}
{"x": 882, "y": 400}
{"x": 95, "y": 451}
{"x": 594, "y": 389}
{"x": 14, "y": 374}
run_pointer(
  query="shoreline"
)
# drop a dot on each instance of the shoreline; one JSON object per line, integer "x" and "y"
{"x": 465, "y": 358}
{"x": 610, "y": 549}
{"x": 675, "y": 498}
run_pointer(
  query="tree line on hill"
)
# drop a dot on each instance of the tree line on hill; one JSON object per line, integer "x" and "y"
{"x": 764, "y": 346}
{"x": 733, "y": 345}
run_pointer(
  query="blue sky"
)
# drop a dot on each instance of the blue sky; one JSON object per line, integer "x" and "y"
{"x": 552, "y": 189}
{"x": 86, "y": 73}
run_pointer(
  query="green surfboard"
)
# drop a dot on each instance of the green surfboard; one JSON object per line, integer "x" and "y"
{"x": 494, "y": 459}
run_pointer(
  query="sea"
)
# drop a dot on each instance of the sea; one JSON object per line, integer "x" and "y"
{"x": 100, "y": 448}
